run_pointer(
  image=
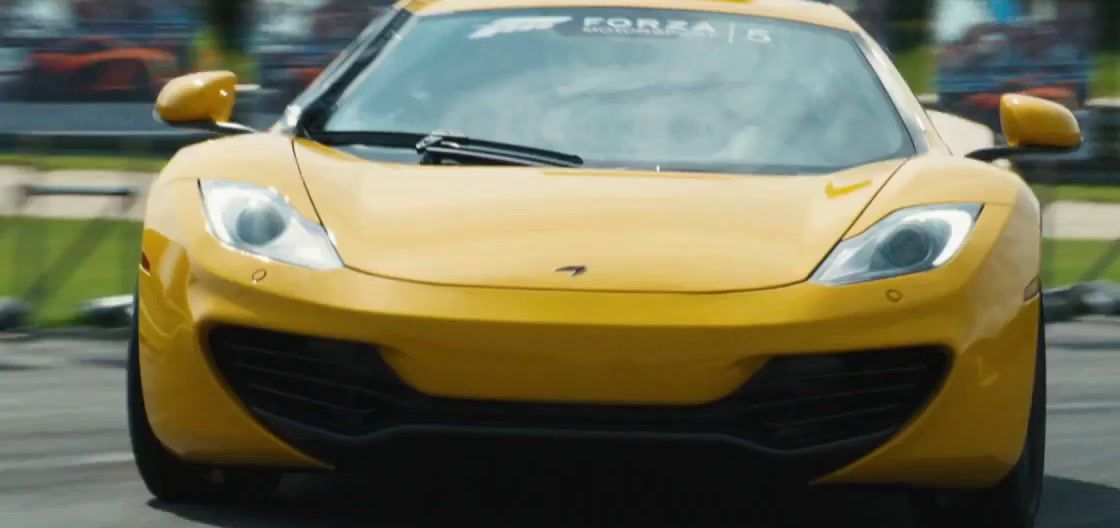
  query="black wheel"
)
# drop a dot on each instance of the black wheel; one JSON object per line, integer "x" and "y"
{"x": 1014, "y": 503}
{"x": 173, "y": 480}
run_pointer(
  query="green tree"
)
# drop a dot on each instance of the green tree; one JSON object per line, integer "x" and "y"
{"x": 908, "y": 23}
{"x": 1108, "y": 13}
{"x": 223, "y": 43}
{"x": 229, "y": 19}
{"x": 909, "y": 10}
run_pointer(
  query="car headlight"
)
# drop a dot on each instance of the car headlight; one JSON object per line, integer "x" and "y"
{"x": 261, "y": 222}
{"x": 908, "y": 241}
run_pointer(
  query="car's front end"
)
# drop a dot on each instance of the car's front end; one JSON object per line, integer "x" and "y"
{"x": 508, "y": 223}
{"x": 915, "y": 379}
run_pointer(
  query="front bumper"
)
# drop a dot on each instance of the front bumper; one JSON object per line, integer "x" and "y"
{"x": 807, "y": 415}
{"x": 589, "y": 353}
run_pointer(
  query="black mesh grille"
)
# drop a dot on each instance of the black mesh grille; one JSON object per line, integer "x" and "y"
{"x": 331, "y": 385}
{"x": 793, "y": 403}
{"x": 798, "y": 402}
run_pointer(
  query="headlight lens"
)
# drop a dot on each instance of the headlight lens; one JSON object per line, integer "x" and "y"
{"x": 908, "y": 241}
{"x": 261, "y": 222}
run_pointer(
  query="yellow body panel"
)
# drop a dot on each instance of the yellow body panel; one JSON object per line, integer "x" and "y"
{"x": 564, "y": 345}
{"x": 962, "y": 135}
{"x": 199, "y": 97}
{"x": 511, "y": 330}
{"x": 636, "y": 230}
{"x": 1034, "y": 122}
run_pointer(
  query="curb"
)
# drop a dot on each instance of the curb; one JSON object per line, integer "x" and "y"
{"x": 103, "y": 318}
{"x": 76, "y": 333}
{"x": 107, "y": 312}
{"x": 149, "y": 142}
{"x": 14, "y": 313}
{"x": 1090, "y": 298}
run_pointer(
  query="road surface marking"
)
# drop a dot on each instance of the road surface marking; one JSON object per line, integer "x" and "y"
{"x": 28, "y": 361}
{"x": 23, "y": 414}
{"x": 113, "y": 457}
{"x": 1110, "y": 405}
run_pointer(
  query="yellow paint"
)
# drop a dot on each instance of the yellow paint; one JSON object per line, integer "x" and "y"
{"x": 974, "y": 431}
{"x": 206, "y": 96}
{"x": 939, "y": 178}
{"x": 832, "y": 190}
{"x": 511, "y": 227}
{"x": 563, "y": 344}
{"x": 1032, "y": 122}
{"x": 960, "y": 134}
{"x": 663, "y": 329}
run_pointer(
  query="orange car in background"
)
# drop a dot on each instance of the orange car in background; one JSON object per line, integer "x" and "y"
{"x": 98, "y": 68}
{"x": 985, "y": 106}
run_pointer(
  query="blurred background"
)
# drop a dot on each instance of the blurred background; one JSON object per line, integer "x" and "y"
{"x": 79, "y": 148}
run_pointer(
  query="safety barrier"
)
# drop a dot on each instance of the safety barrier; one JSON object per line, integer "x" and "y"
{"x": 118, "y": 142}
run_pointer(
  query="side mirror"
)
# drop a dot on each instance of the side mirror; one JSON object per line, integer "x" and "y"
{"x": 201, "y": 100}
{"x": 1033, "y": 125}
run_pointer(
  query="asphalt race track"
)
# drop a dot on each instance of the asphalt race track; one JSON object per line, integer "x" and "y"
{"x": 64, "y": 462}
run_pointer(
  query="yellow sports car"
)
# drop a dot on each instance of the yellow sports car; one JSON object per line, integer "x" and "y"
{"x": 723, "y": 223}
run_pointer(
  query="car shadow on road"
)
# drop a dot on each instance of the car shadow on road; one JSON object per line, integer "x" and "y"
{"x": 620, "y": 495}
{"x": 1069, "y": 503}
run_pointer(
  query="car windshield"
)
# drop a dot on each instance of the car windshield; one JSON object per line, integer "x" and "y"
{"x": 634, "y": 88}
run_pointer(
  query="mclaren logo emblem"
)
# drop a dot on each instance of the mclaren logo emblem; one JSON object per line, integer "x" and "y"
{"x": 574, "y": 271}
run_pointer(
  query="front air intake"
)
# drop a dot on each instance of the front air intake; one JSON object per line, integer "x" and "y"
{"x": 799, "y": 402}
{"x": 330, "y": 385}
{"x": 794, "y": 404}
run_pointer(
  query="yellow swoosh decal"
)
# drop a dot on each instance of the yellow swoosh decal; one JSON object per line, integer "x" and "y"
{"x": 833, "y": 191}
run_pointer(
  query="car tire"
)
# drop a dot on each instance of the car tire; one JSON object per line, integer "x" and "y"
{"x": 1014, "y": 503}
{"x": 171, "y": 479}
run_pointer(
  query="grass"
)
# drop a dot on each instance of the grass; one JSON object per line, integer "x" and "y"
{"x": 1082, "y": 193}
{"x": 110, "y": 269}
{"x": 1106, "y": 75}
{"x": 919, "y": 67}
{"x": 1078, "y": 193}
{"x": 1068, "y": 261}
{"x": 30, "y": 245}
{"x": 51, "y": 162}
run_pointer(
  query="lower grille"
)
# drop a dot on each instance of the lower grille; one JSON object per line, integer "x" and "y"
{"x": 792, "y": 404}
{"x": 801, "y": 402}
{"x": 331, "y": 385}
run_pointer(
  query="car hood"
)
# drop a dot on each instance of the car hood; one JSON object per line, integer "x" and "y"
{"x": 587, "y": 229}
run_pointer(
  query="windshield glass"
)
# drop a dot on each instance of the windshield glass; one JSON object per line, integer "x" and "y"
{"x": 638, "y": 88}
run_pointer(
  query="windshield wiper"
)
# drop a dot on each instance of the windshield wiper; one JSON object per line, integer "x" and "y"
{"x": 438, "y": 146}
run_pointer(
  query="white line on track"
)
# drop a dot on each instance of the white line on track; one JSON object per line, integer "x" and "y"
{"x": 28, "y": 361}
{"x": 1108, "y": 405}
{"x": 98, "y": 459}
{"x": 6, "y": 415}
